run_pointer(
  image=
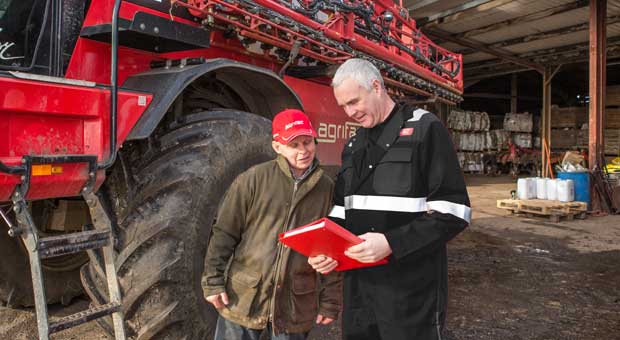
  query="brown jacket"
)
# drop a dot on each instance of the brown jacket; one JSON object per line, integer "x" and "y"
{"x": 264, "y": 280}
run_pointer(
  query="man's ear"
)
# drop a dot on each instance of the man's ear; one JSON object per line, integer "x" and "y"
{"x": 276, "y": 146}
{"x": 376, "y": 86}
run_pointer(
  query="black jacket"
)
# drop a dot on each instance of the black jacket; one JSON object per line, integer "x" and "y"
{"x": 411, "y": 189}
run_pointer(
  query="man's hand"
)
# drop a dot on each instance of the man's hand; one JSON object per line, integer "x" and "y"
{"x": 323, "y": 320}
{"x": 218, "y": 300}
{"x": 322, "y": 264}
{"x": 374, "y": 248}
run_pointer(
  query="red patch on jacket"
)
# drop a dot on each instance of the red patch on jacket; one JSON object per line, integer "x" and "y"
{"x": 406, "y": 132}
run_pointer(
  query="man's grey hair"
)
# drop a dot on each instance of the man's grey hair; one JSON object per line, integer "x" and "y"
{"x": 360, "y": 70}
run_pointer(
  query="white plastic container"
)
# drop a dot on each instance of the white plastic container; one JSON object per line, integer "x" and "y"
{"x": 566, "y": 190}
{"x": 552, "y": 189}
{"x": 532, "y": 184}
{"x": 522, "y": 188}
{"x": 526, "y": 188}
{"x": 541, "y": 188}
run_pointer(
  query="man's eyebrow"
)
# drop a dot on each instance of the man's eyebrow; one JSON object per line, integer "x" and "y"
{"x": 352, "y": 101}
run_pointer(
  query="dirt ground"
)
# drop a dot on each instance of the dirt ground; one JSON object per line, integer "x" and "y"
{"x": 510, "y": 278}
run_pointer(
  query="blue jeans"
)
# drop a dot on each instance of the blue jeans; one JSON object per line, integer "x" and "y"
{"x": 227, "y": 330}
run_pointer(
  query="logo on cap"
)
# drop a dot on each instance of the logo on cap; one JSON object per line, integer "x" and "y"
{"x": 289, "y": 124}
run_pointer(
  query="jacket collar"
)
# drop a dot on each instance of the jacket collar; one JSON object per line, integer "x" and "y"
{"x": 286, "y": 168}
{"x": 307, "y": 184}
{"x": 392, "y": 127}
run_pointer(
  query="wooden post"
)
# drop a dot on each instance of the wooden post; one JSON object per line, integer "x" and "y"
{"x": 598, "y": 51}
{"x": 513, "y": 93}
{"x": 545, "y": 136}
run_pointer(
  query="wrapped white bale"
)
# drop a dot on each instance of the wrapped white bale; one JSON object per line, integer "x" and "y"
{"x": 470, "y": 161}
{"x": 490, "y": 143}
{"x": 498, "y": 139}
{"x": 523, "y": 140}
{"x": 461, "y": 120}
{"x": 519, "y": 122}
{"x": 470, "y": 141}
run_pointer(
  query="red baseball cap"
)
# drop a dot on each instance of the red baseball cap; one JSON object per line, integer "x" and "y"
{"x": 289, "y": 124}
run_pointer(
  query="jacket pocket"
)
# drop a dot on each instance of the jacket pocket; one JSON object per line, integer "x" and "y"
{"x": 242, "y": 288}
{"x": 392, "y": 174}
{"x": 305, "y": 297}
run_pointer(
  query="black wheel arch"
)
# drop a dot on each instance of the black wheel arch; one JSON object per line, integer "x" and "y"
{"x": 262, "y": 91}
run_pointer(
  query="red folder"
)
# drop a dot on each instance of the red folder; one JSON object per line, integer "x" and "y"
{"x": 324, "y": 237}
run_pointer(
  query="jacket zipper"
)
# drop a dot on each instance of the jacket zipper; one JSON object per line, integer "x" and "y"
{"x": 278, "y": 257}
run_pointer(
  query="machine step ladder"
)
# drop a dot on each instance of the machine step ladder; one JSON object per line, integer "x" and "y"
{"x": 41, "y": 248}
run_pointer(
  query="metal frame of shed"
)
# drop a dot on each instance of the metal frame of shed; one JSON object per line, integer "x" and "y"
{"x": 499, "y": 37}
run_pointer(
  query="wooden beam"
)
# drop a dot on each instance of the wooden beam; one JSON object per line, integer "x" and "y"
{"x": 467, "y": 83}
{"x": 569, "y": 52}
{"x": 544, "y": 35}
{"x": 581, "y": 57}
{"x": 596, "y": 144}
{"x": 551, "y": 34}
{"x": 462, "y": 11}
{"x": 497, "y": 96}
{"x": 494, "y": 74}
{"x": 525, "y": 18}
{"x": 484, "y": 64}
{"x": 553, "y": 73}
{"x": 421, "y": 4}
{"x": 615, "y": 41}
{"x": 546, "y": 123}
{"x": 514, "y": 93}
{"x": 439, "y": 34}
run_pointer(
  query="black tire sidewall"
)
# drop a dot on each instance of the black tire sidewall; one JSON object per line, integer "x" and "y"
{"x": 236, "y": 141}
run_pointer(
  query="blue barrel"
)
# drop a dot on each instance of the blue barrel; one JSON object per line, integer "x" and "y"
{"x": 582, "y": 184}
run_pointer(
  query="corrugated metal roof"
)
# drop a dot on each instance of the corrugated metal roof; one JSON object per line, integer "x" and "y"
{"x": 521, "y": 27}
{"x": 574, "y": 17}
{"x": 508, "y": 11}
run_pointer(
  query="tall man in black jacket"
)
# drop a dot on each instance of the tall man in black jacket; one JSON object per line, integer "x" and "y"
{"x": 400, "y": 188}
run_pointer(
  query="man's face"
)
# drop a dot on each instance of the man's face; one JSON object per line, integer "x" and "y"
{"x": 359, "y": 103}
{"x": 299, "y": 152}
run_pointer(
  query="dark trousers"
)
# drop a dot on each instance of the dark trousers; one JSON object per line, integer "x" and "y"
{"x": 227, "y": 330}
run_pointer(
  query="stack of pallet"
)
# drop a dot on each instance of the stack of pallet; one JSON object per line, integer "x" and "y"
{"x": 566, "y": 123}
{"x": 612, "y": 120}
{"x": 611, "y": 136}
{"x": 470, "y": 132}
{"x": 554, "y": 210}
{"x": 611, "y": 129}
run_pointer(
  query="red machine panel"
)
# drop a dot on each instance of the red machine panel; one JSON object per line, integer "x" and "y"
{"x": 47, "y": 118}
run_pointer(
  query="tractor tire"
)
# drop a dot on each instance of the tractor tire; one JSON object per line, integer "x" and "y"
{"x": 163, "y": 194}
{"x": 61, "y": 275}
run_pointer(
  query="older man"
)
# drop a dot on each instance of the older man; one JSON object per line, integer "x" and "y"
{"x": 255, "y": 283}
{"x": 401, "y": 189}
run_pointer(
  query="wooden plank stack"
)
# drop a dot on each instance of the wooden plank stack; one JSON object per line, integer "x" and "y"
{"x": 568, "y": 117}
{"x": 612, "y": 97}
{"x": 612, "y": 118}
{"x": 570, "y": 125}
{"x": 564, "y": 138}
